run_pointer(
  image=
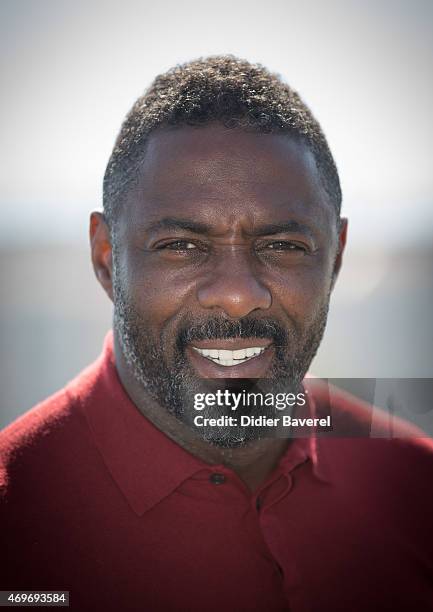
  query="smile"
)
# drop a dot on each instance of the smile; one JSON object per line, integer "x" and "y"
{"x": 224, "y": 357}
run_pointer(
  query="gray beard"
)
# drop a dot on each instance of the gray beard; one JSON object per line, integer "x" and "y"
{"x": 173, "y": 386}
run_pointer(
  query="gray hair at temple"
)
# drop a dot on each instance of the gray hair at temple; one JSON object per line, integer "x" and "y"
{"x": 219, "y": 88}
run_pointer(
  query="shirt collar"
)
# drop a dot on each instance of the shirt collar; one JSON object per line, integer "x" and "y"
{"x": 145, "y": 463}
{"x": 309, "y": 446}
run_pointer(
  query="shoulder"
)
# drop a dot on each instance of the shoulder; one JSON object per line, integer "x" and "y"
{"x": 369, "y": 449}
{"x": 35, "y": 448}
{"x": 33, "y": 434}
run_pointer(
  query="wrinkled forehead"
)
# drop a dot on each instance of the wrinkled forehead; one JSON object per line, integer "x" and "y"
{"x": 213, "y": 172}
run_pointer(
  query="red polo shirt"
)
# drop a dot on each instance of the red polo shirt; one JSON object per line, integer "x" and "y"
{"x": 97, "y": 501}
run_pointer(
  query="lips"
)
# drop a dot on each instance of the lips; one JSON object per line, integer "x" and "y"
{"x": 231, "y": 358}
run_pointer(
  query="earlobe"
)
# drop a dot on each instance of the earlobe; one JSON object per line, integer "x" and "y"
{"x": 342, "y": 237}
{"x": 101, "y": 250}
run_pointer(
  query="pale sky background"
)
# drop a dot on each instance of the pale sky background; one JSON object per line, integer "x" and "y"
{"x": 71, "y": 70}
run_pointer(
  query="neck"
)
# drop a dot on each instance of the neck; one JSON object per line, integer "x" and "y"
{"x": 253, "y": 462}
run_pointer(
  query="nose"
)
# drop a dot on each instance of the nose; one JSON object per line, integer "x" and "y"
{"x": 233, "y": 286}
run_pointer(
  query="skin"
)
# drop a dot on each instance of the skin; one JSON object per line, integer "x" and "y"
{"x": 235, "y": 184}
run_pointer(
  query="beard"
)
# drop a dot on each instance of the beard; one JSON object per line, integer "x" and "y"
{"x": 164, "y": 373}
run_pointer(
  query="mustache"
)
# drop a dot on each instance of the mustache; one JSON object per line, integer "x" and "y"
{"x": 220, "y": 328}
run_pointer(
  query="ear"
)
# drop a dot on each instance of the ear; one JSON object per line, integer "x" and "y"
{"x": 100, "y": 244}
{"x": 342, "y": 236}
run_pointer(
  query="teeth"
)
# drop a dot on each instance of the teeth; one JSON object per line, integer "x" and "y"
{"x": 229, "y": 358}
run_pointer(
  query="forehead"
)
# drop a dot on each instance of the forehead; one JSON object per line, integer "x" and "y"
{"x": 222, "y": 175}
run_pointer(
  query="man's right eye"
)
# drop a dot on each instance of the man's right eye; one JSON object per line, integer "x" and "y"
{"x": 178, "y": 245}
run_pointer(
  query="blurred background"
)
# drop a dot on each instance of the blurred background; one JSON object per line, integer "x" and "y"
{"x": 72, "y": 70}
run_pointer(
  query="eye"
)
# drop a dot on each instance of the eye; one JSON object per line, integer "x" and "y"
{"x": 178, "y": 245}
{"x": 280, "y": 246}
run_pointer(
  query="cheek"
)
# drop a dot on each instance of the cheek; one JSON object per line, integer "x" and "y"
{"x": 158, "y": 295}
{"x": 301, "y": 293}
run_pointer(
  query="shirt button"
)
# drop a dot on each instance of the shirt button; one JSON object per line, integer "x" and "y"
{"x": 217, "y": 479}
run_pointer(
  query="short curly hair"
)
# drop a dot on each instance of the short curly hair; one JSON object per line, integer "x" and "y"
{"x": 225, "y": 89}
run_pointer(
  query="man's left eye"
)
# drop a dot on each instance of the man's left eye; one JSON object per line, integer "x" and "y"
{"x": 283, "y": 245}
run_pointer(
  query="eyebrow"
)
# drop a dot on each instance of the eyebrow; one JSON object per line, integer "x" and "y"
{"x": 174, "y": 223}
{"x": 281, "y": 228}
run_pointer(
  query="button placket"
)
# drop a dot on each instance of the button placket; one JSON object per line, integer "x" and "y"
{"x": 264, "y": 493}
{"x": 287, "y": 488}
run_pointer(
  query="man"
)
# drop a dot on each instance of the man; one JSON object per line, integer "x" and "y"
{"x": 219, "y": 245}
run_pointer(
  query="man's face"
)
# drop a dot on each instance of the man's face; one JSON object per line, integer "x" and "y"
{"x": 223, "y": 266}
